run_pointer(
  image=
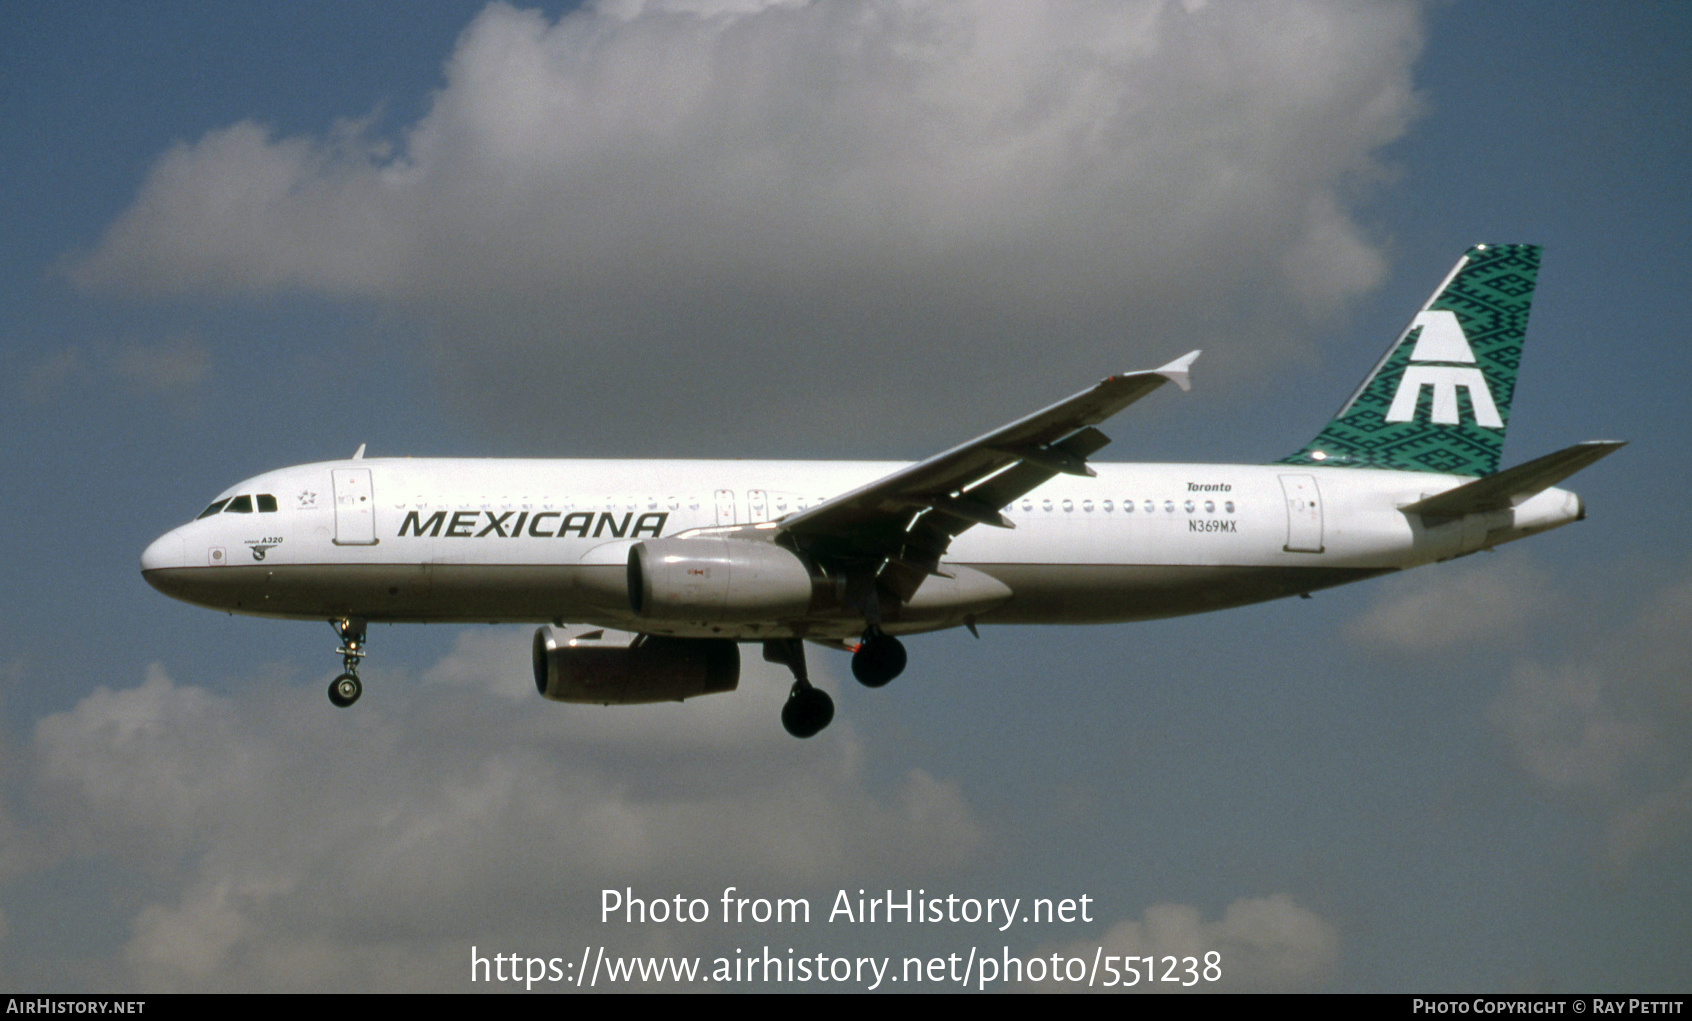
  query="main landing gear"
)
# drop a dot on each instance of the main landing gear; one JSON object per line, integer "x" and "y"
{"x": 878, "y": 659}
{"x": 345, "y": 689}
{"x": 808, "y": 708}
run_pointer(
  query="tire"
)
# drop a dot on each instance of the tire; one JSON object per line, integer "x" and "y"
{"x": 344, "y": 690}
{"x": 878, "y": 661}
{"x": 807, "y": 712}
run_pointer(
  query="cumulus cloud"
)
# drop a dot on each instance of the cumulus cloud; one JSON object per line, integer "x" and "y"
{"x": 1264, "y": 943}
{"x": 1451, "y": 606}
{"x": 1610, "y": 723}
{"x": 176, "y": 368}
{"x": 293, "y": 849}
{"x": 820, "y": 203}
{"x": 46, "y": 378}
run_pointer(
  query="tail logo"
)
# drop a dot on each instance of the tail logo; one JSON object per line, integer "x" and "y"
{"x": 1443, "y": 361}
{"x": 1464, "y": 345}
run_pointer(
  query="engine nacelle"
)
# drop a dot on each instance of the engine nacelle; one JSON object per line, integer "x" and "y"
{"x": 617, "y": 668}
{"x": 710, "y": 578}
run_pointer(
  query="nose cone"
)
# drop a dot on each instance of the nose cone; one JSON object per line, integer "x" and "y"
{"x": 164, "y": 554}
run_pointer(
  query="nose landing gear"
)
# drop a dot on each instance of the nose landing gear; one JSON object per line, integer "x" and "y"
{"x": 345, "y": 689}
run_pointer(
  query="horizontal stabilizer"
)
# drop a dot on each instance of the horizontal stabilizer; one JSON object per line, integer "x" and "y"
{"x": 1514, "y": 485}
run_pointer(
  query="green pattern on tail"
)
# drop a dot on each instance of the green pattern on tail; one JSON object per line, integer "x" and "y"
{"x": 1439, "y": 400}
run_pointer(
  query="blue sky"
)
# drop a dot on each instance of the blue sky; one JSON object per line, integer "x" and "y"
{"x": 243, "y": 236}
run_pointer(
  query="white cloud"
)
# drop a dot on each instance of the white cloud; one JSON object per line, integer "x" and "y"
{"x": 1450, "y": 606}
{"x": 1261, "y": 943}
{"x": 1609, "y": 723}
{"x": 46, "y": 378}
{"x": 175, "y": 368}
{"x": 595, "y": 209}
{"x": 289, "y": 848}
{"x": 190, "y": 941}
{"x": 154, "y": 762}
{"x": 1650, "y": 824}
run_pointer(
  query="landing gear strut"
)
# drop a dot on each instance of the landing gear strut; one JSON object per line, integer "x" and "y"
{"x": 879, "y": 659}
{"x": 345, "y": 689}
{"x": 808, "y": 708}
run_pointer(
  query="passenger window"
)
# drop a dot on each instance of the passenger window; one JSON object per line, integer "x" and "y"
{"x": 213, "y": 509}
{"x": 240, "y": 505}
{"x": 266, "y": 503}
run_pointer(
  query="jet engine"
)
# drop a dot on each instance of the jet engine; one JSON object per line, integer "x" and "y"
{"x": 711, "y": 578}
{"x": 618, "y": 668}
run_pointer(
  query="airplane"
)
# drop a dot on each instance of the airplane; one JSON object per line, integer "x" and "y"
{"x": 648, "y": 575}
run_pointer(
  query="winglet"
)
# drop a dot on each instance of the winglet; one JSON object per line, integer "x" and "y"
{"x": 1176, "y": 371}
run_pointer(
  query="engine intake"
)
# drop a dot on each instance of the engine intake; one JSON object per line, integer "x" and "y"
{"x": 722, "y": 580}
{"x": 617, "y": 668}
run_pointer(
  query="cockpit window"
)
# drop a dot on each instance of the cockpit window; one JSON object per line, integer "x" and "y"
{"x": 266, "y": 503}
{"x": 240, "y": 505}
{"x": 213, "y": 509}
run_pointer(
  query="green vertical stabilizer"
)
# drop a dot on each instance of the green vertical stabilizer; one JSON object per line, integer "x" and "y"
{"x": 1439, "y": 399}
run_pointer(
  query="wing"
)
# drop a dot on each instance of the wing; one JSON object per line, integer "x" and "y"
{"x": 898, "y": 527}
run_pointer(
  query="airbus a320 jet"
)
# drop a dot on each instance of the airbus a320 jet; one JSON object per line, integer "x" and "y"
{"x": 649, "y": 576}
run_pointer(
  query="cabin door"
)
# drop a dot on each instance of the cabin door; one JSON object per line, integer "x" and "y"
{"x": 355, "y": 507}
{"x": 1304, "y": 514}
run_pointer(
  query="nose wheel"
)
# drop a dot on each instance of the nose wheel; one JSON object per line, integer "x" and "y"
{"x": 345, "y": 689}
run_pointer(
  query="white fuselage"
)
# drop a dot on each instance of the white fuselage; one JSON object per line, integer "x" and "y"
{"x": 548, "y": 540}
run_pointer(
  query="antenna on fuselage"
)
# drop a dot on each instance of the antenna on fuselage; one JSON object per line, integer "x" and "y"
{"x": 358, "y": 455}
